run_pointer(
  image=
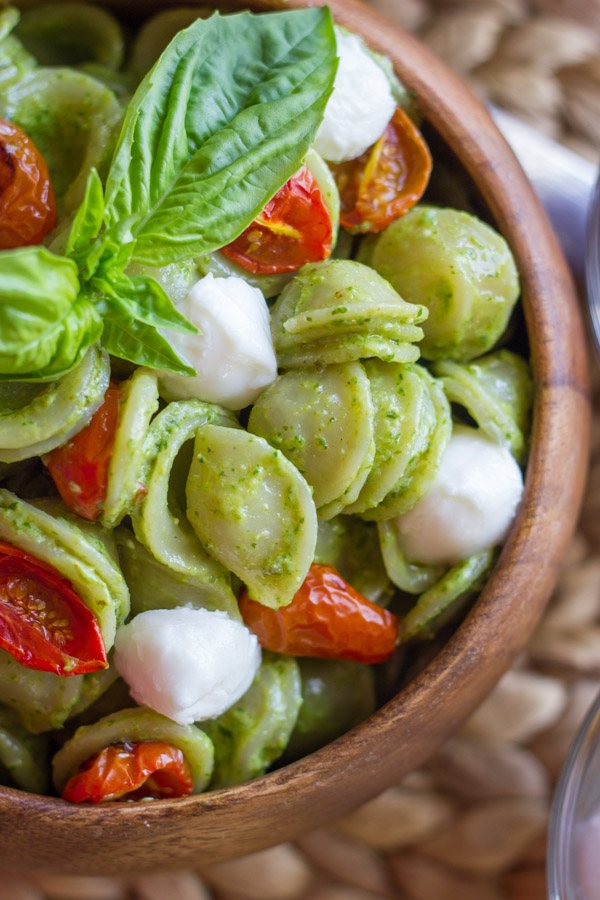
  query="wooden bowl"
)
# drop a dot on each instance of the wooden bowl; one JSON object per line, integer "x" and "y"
{"x": 45, "y": 833}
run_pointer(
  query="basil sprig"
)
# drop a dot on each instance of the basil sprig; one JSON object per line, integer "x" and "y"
{"x": 215, "y": 129}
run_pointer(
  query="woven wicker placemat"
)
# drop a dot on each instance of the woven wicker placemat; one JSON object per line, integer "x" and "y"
{"x": 472, "y": 824}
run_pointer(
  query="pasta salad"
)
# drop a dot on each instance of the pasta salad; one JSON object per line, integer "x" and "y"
{"x": 259, "y": 428}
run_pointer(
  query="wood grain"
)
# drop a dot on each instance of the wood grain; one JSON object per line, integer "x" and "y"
{"x": 45, "y": 833}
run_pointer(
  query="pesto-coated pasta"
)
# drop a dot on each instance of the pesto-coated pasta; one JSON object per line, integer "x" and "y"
{"x": 322, "y": 421}
{"x": 14, "y": 58}
{"x": 255, "y": 731}
{"x": 253, "y": 511}
{"x": 42, "y": 700}
{"x": 159, "y": 520}
{"x": 34, "y": 421}
{"x": 336, "y": 696}
{"x": 139, "y": 402}
{"x": 412, "y": 577}
{"x": 169, "y": 588}
{"x": 445, "y": 599}
{"x": 72, "y": 118}
{"x": 339, "y": 311}
{"x": 459, "y": 268}
{"x": 351, "y": 546}
{"x": 496, "y": 391}
{"x": 155, "y": 34}
{"x": 422, "y": 469}
{"x": 133, "y": 725}
{"x": 23, "y": 756}
{"x": 67, "y": 34}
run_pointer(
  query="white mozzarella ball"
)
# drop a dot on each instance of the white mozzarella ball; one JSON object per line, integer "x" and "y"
{"x": 470, "y": 504}
{"x": 188, "y": 664}
{"x": 360, "y": 106}
{"x": 233, "y": 356}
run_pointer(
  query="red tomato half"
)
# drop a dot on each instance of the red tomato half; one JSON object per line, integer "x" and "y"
{"x": 387, "y": 180}
{"x": 326, "y": 618}
{"x": 294, "y": 228}
{"x": 80, "y": 468}
{"x": 27, "y": 206}
{"x": 43, "y": 622}
{"x": 148, "y": 769}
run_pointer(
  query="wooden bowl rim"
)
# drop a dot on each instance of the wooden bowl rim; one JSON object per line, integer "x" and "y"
{"x": 460, "y": 675}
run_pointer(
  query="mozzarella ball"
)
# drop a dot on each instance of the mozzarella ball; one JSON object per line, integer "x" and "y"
{"x": 233, "y": 355}
{"x": 188, "y": 664}
{"x": 360, "y": 106}
{"x": 470, "y": 504}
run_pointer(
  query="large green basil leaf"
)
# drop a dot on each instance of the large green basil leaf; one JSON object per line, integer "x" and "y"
{"x": 86, "y": 225}
{"x": 128, "y": 337}
{"x": 45, "y": 324}
{"x": 143, "y": 298}
{"x": 218, "y": 125}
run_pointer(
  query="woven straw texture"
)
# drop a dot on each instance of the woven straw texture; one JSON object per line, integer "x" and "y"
{"x": 472, "y": 825}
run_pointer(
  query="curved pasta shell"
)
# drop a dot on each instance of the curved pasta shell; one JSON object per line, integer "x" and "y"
{"x": 413, "y": 578}
{"x": 496, "y": 391}
{"x": 34, "y": 421}
{"x": 351, "y": 546}
{"x": 139, "y": 402}
{"x": 68, "y": 34}
{"x": 401, "y": 402}
{"x": 135, "y": 725}
{"x": 255, "y": 731}
{"x": 322, "y": 421}
{"x": 42, "y": 700}
{"x": 76, "y": 552}
{"x": 14, "y": 58}
{"x": 158, "y": 31}
{"x": 424, "y": 468}
{"x": 253, "y": 511}
{"x": 22, "y": 755}
{"x": 446, "y": 599}
{"x": 341, "y": 310}
{"x": 336, "y": 696}
{"x": 72, "y": 118}
{"x": 159, "y": 521}
{"x": 169, "y": 588}
{"x": 459, "y": 268}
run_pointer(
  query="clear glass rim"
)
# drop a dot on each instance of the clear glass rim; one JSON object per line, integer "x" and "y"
{"x": 558, "y": 857}
{"x": 592, "y": 265}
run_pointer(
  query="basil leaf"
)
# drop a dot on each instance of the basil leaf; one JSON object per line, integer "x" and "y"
{"x": 130, "y": 338}
{"x": 86, "y": 225}
{"x": 46, "y": 325}
{"x": 218, "y": 125}
{"x": 144, "y": 299}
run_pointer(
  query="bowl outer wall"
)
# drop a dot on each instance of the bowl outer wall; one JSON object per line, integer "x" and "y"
{"x": 50, "y": 834}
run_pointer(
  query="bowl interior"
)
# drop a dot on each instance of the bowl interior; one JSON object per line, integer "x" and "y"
{"x": 442, "y": 685}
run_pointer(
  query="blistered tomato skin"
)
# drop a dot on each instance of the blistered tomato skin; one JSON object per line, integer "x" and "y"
{"x": 135, "y": 771}
{"x": 387, "y": 180}
{"x": 79, "y": 469}
{"x": 27, "y": 205}
{"x": 294, "y": 228}
{"x": 44, "y": 624}
{"x": 327, "y": 618}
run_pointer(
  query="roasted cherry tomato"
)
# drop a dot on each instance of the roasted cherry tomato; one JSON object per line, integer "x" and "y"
{"x": 294, "y": 228}
{"x": 27, "y": 206}
{"x": 326, "y": 618}
{"x": 389, "y": 178}
{"x": 43, "y": 623}
{"x": 80, "y": 468}
{"x": 148, "y": 769}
